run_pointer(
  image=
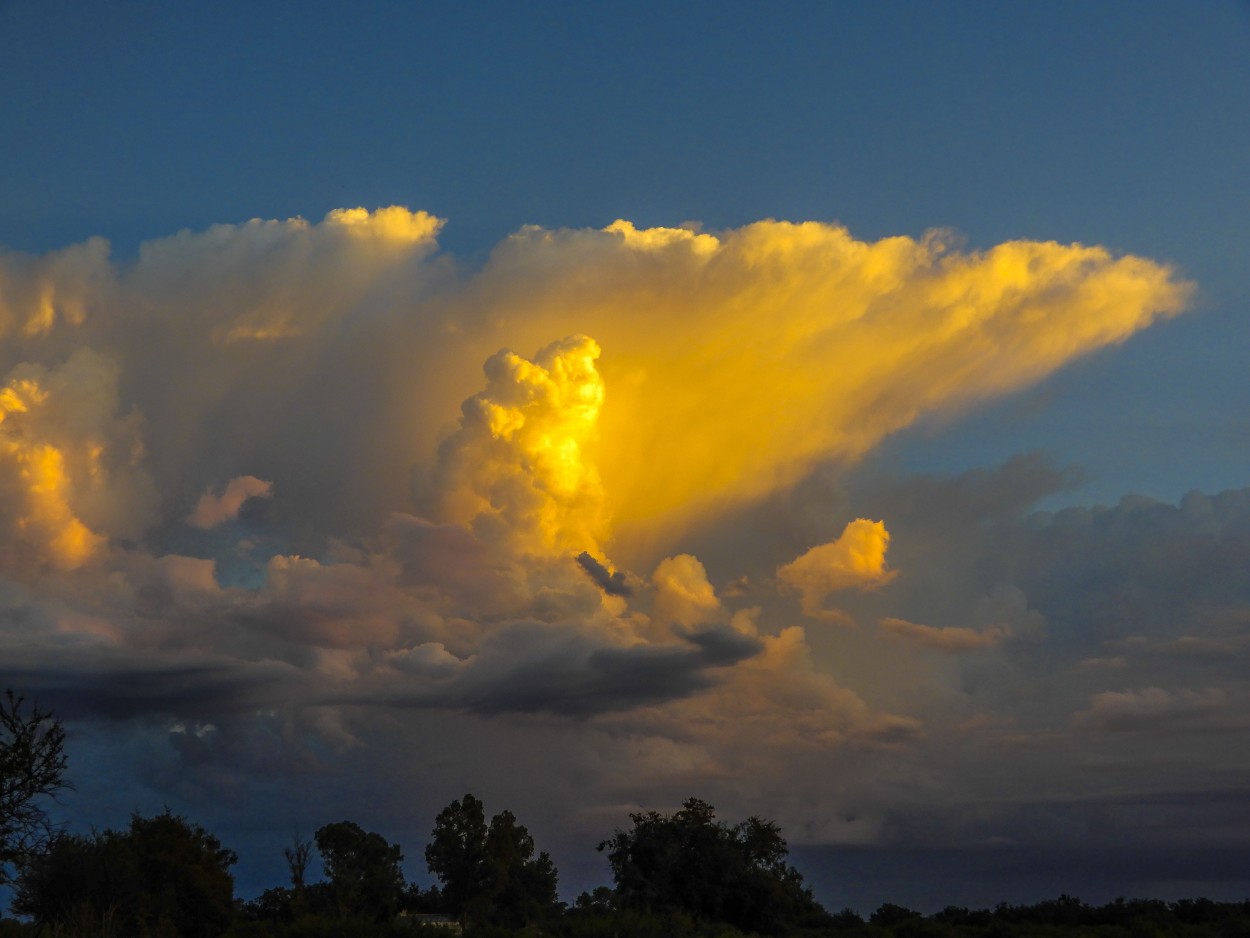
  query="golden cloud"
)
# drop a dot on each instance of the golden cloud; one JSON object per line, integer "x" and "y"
{"x": 516, "y": 467}
{"x": 733, "y": 363}
{"x": 855, "y": 560}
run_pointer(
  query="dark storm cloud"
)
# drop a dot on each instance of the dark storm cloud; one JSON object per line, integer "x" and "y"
{"x": 614, "y": 584}
{"x": 530, "y": 668}
{"x": 101, "y": 684}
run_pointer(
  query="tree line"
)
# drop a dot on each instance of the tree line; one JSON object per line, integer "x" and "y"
{"x": 684, "y": 874}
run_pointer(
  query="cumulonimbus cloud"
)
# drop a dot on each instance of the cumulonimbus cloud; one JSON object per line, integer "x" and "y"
{"x": 727, "y": 364}
{"x": 481, "y": 481}
{"x": 736, "y": 361}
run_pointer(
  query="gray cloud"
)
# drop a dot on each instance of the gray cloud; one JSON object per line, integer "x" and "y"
{"x": 614, "y": 584}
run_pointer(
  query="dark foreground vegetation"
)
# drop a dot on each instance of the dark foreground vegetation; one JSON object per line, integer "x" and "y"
{"x": 679, "y": 875}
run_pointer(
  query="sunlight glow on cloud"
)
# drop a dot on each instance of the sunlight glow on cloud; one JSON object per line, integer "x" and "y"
{"x": 737, "y": 361}
{"x": 69, "y": 467}
{"x": 394, "y": 223}
{"x": 856, "y": 560}
{"x": 516, "y": 467}
{"x": 682, "y": 591}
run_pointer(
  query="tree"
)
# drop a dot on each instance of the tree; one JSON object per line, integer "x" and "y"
{"x": 689, "y": 862}
{"x": 184, "y": 874}
{"x": 363, "y": 869}
{"x": 490, "y": 873}
{"x": 161, "y": 876}
{"x": 32, "y": 767}
{"x": 297, "y": 857}
{"x": 522, "y": 887}
{"x": 456, "y": 853}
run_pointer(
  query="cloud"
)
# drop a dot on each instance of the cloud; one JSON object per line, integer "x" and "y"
{"x": 532, "y": 668}
{"x": 1154, "y": 708}
{"x": 736, "y": 361}
{"x": 682, "y": 591}
{"x": 614, "y": 584}
{"x": 391, "y": 225}
{"x": 775, "y": 713}
{"x": 103, "y": 682}
{"x": 951, "y": 640}
{"x": 855, "y": 560}
{"x": 212, "y": 510}
{"x": 516, "y": 467}
{"x": 730, "y": 364}
{"x": 42, "y": 294}
{"x": 38, "y": 483}
{"x": 68, "y": 464}
{"x": 462, "y": 467}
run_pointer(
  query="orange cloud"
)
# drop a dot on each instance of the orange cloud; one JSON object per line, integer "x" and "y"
{"x": 516, "y": 469}
{"x": 56, "y": 464}
{"x": 682, "y": 591}
{"x": 734, "y": 362}
{"x": 856, "y": 560}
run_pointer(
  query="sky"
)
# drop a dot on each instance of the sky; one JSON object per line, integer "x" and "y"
{"x": 836, "y": 412}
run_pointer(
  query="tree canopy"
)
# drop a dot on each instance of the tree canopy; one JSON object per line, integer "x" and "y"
{"x": 363, "y": 869}
{"x": 456, "y": 853}
{"x": 680, "y": 875}
{"x": 688, "y": 862}
{"x": 161, "y": 876}
{"x": 490, "y": 872}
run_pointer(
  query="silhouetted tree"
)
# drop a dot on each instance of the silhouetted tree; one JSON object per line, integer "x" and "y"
{"x": 490, "y": 873}
{"x": 690, "y": 863}
{"x": 275, "y": 905}
{"x": 297, "y": 856}
{"x": 521, "y": 887}
{"x": 456, "y": 853}
{"x": 889, "y": 915}
{"x": 600, "y": 899}
{"x": 32, "y": 767}
{"x": 363, "y": 870}
{"x": 163, "y": 875}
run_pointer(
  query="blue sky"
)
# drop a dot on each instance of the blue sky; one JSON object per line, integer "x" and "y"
{"x": 1116, "y": 125}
